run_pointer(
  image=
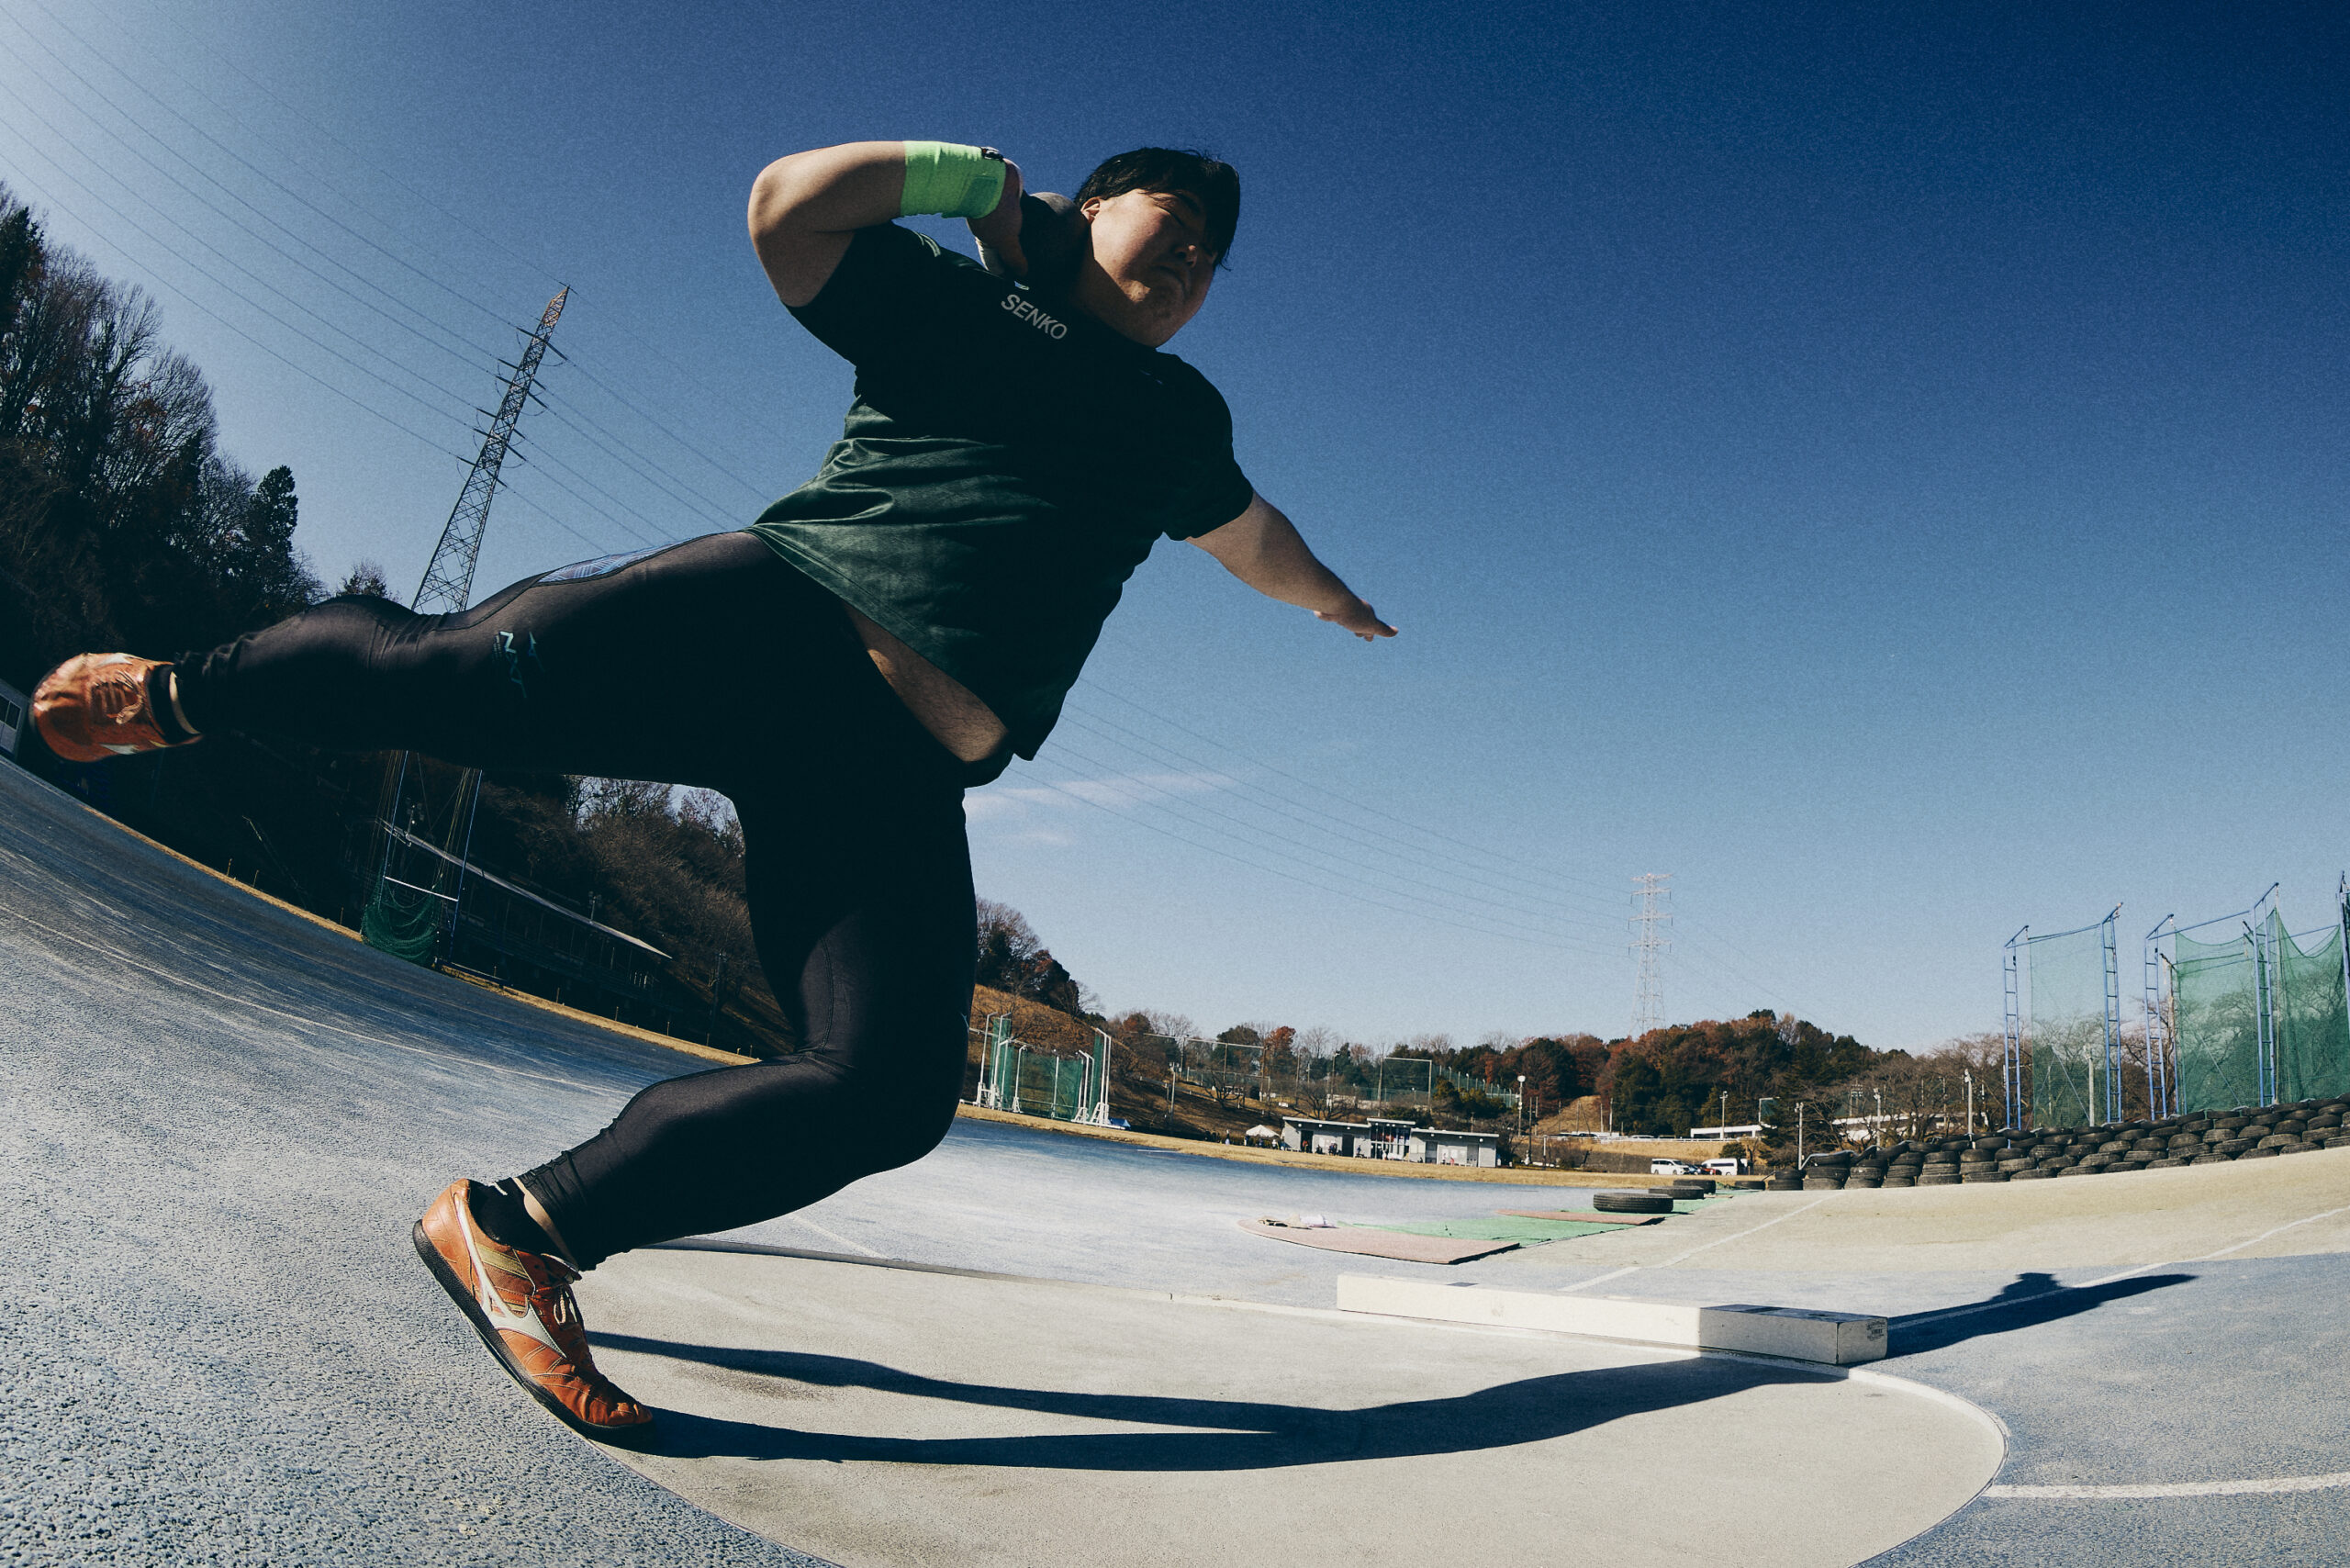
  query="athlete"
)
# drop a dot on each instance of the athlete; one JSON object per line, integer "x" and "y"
{"x": 884, "y": 637}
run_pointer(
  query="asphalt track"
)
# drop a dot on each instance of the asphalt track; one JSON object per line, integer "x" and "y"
{"x": 215, "y": 1346}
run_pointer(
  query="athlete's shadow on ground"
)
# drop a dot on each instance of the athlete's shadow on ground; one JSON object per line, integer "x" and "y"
{"x": 2028, "y": 1302}
{"x": 1226, "y": 1434}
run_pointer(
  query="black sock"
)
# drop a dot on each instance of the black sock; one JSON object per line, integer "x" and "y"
{"x": 503, "y": 1218}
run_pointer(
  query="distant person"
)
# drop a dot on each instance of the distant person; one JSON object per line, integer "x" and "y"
{"x": 883, "y": 638}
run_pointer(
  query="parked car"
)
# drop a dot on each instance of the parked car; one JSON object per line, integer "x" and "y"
{"x": 1672, "y": 1168}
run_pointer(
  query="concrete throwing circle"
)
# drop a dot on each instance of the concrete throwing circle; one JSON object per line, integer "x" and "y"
{"x": 881, "y": 1415}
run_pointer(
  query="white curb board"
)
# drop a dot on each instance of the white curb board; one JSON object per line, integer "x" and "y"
{"x": 1837, "y": 1339}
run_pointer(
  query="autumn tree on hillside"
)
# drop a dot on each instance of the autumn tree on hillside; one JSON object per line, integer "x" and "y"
{"x": 1672, "y": 1078}
{"x": 1014, "y": 958}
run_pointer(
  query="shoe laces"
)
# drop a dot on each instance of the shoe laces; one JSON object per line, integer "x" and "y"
{"x": 559, "y": 1310}
{"x": 118, "y": 695}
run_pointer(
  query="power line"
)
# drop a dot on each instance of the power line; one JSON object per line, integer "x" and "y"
{"x": 538, "y": 265}
{"x": 1273, "y": 871}
{"x": 268, "y": 91}
{"x": 1296, "y": 853}
{"x": 467, "y": 352}
{"x": 1324, "y": 821}
{"x": 1506, "y": 860}
{"x": 233, "y": 291}
{"x": 198, "y": 304}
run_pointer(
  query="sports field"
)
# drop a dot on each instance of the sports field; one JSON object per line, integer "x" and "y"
{"x": 217, "y": 1346}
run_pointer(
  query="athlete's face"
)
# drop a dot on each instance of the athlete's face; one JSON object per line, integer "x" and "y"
{"x": 1151, "y": 267}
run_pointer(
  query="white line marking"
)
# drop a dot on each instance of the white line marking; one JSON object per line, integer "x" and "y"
{"x": 2264, "y": 1235}
{"x": 2182, "y": 1488}
{"x": 836, "y": 1240}
{"x": 1718, "y": 1241}
{"x": 2116, "y": 1278}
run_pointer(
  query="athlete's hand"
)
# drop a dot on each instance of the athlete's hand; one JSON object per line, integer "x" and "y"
{"x": 1359, "y": 618}
{"x": 999, "y": 232}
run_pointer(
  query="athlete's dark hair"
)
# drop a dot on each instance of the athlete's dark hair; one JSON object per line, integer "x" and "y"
{"x": 1214, "y": 184}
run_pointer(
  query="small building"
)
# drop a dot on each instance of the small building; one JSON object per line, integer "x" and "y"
{"x": 1434, "y": 1145}
{"x": 1380, "y": 1138}
{"x": 13, "y": 719}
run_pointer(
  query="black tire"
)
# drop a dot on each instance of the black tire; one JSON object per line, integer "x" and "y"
{"x": 1823, "y": 1184}
{"x": 1898, "y": 1181}
{"x": 2266, "y": 1151}
{"x": 1679, "y": 1191}
{"x": 2032, "y": 1175}
{"x": 1632, "y": 1202}
{"x": 1939, "y": 1179}
{"x": 1972, "y": 1177}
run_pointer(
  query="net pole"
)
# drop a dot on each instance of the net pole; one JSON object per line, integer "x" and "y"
{"x": 2011, "y": 1067}
{"x": 2159, "y": 1087}
{"x": 2342, "y": 898}
{"x": 2113, "y": 958}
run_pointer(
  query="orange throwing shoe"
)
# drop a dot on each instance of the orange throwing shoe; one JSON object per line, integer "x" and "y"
{"x": 520, "y": 1305}
{"x": 94, "y": 706}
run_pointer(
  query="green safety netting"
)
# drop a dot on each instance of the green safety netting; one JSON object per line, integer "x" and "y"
{"x": 2068, "y": 1026}
{"x": 401, "y": 922}
{"x": 2312, "y": 1023}
{"x": 2215, "y": 989}
{"x": 1041, "y": 1083}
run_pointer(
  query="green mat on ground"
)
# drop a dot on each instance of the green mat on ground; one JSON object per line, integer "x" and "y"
{"x": 1525, "y": 1232}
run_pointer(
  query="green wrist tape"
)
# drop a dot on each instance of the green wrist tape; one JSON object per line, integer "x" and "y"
{"x": 950, "y": 180}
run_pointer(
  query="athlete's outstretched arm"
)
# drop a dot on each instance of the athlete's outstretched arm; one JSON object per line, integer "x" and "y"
{"x": 1263, "y": 549}
{"x": 805, "y": 208}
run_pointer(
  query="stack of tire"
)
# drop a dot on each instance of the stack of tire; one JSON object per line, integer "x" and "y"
{"x": 1657, "y": 1200}
{"x": 2201, "y": 1138}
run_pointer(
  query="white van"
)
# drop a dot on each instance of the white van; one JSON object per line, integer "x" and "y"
{"x": 1725, "y": 1168}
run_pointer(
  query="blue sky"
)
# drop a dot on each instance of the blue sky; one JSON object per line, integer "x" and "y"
{"x": 1885, "y": 471}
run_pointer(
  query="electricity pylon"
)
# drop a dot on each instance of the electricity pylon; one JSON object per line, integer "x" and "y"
{"x": 448, "y": 587}
{"x": 1649, "y": 946}
{"x": 448, "y": 582}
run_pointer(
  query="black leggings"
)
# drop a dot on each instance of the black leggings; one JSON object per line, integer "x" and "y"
{"x": 715, "y": 664}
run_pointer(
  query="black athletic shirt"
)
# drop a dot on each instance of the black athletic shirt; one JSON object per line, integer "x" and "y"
{"x": 1004, "y": 469}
